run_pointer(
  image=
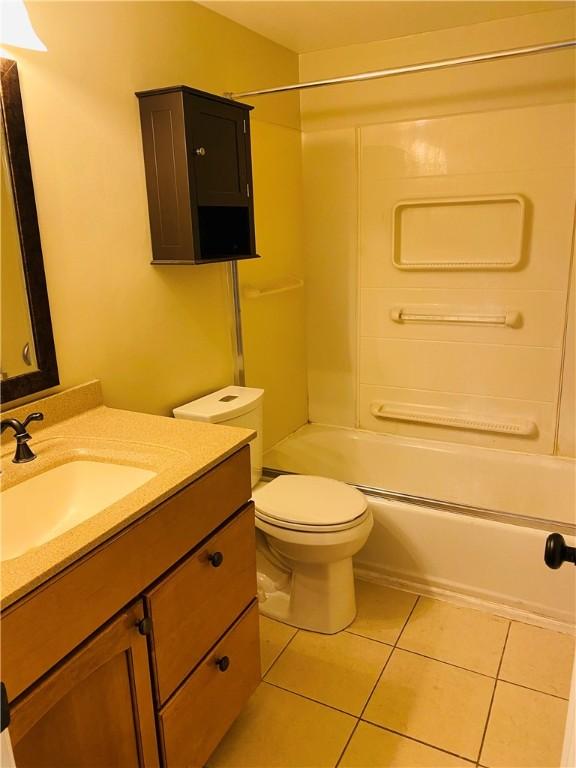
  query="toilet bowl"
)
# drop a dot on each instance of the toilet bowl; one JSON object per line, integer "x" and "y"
{"x": 308, "y": 527}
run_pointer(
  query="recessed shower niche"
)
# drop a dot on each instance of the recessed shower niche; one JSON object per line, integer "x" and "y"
{"x": 478, "y": 233}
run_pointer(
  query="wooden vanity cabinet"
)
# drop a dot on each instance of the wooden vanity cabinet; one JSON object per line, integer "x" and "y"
{"x": 141, "y": 681}
{"x": 198, "y": 176}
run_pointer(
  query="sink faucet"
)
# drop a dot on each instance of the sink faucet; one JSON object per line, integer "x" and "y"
{"x": 23, "y": 451}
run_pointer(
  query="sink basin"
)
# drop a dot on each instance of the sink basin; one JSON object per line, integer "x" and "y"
{"x": 41, "y": 508}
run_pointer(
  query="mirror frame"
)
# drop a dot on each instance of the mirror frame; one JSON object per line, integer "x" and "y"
{"x": 33, "y": 264}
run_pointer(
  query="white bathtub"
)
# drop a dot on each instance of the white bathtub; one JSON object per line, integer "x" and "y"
{"x": 465, "y": 522}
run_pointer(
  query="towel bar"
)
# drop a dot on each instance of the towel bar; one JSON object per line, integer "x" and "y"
{"x": 508, "y": 318}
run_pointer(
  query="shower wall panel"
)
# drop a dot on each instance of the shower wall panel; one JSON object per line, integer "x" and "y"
{"x": 439, "y": 221}
{"x": 437, "y": 335}
{"x": 330, "y": 216}
{"x": 566, "y": 439}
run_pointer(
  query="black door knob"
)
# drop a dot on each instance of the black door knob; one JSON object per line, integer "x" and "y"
{"x": 223, "y": 663}
{"x": 216, "y": 559}
{"x": 557, "y": 551}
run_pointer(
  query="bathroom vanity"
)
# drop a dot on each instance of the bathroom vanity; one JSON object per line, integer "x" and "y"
{"x": 143, "y": 648}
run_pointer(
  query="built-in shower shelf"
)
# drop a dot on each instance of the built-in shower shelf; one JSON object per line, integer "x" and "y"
{"x": 467, "y": 233}
{"x": 443, "y": 417}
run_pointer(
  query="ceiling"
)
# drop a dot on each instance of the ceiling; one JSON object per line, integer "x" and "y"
{"x": 311, "y": 25}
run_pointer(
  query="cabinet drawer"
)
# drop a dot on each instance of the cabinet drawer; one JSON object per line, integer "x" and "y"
{"x": 195, "y": 720}
{"x": 193, "y": 606}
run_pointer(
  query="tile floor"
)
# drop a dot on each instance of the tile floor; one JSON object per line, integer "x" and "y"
{"x": 413, "y": 682}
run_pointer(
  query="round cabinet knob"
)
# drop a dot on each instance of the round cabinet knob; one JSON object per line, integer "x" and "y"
{"x": 216, "y": 559}
{"x": 200, "y": 151}
{"x": 223, "y": 663}
{"x": 145, "y": 625}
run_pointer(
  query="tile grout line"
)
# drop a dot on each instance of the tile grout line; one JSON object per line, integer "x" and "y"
{"x": 389, "y": 657}
{"x": 411, "y": 738}
{"x": 321, "y": 703}
{"x": 308, "y": 698}
{"x": 419, "y": 741}
{"x": 568, "y": 633}
{"x": 448, "y": 663}
{"x": 418, "y": 597}
{"x": 263, "y": 675}
{"x": 377, "y": 680}
{"x": 474, "y": 763}
{"x": 458, "y": 666}
{"x": 533, "y": 690}
{"x": 493, "y": 693}
{"x": 345, "y": 747}
{"x": 366, "y": 637}
{"x": 359, "y": 720}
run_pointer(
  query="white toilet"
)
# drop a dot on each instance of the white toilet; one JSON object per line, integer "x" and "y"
{"x": 308, "y": 528}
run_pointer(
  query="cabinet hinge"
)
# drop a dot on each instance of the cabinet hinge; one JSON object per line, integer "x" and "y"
{"x": 248, "y": 190}
{"x": 244, "y": 125}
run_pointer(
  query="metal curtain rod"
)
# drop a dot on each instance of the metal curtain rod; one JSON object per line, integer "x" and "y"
{"x": 426, "y": 67}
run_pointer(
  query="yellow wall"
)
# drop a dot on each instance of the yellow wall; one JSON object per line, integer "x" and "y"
{"x": 274, "y": 325}
{"x": 155, "y": 336}
{"x": 488, "y": 129}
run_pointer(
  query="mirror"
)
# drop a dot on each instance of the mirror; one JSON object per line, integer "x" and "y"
{"x": 28, "y": 357}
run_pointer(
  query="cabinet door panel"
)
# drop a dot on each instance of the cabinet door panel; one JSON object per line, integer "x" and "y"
{"x": 193, "y": 606}
{"x": 169, "y": 202}
{"x": 95, "y": 710}
{"x": 218, "y": 153}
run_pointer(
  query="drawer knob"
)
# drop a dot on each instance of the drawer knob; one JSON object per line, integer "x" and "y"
{"x": 144, "y": 625}
{"x": 216, "y": 559}
{"x": 200, "y": 151}
{"x": 223, "y": 663}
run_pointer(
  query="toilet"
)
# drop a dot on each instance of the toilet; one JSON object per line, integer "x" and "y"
{"x": 308, "y": 528}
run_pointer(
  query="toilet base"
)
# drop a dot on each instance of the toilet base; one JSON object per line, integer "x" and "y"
{"x": 319, "y": 597}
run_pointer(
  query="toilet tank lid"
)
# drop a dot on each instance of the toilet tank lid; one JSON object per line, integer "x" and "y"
{"x": 311, "y": 500}
{"x": 224, "y": 404}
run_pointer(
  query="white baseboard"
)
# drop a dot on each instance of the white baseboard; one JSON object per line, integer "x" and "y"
{"x": 367, "y": 572}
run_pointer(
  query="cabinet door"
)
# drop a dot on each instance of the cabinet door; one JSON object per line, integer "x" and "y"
{"x": 94, "y": 710}
{"x": 218, "y": 151}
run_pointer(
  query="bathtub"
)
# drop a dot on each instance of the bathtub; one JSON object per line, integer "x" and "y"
{"x": 462, "y": 522}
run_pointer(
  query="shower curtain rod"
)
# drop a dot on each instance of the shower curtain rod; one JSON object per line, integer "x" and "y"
{"x": 426, "y": 67}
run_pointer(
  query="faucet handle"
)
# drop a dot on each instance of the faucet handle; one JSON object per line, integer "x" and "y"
{"x": 36, "y": 416}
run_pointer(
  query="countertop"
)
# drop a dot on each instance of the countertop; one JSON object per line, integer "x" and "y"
{"x": 77, "y": 425}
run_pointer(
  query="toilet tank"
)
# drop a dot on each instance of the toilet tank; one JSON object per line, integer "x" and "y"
{"x": 235, "y": 407}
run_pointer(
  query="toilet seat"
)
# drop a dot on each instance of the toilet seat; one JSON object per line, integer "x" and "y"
{"x": 310, "y": 504}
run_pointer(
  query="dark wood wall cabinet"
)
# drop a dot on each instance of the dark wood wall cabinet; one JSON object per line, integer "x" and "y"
{"x": 198, "y": 176}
